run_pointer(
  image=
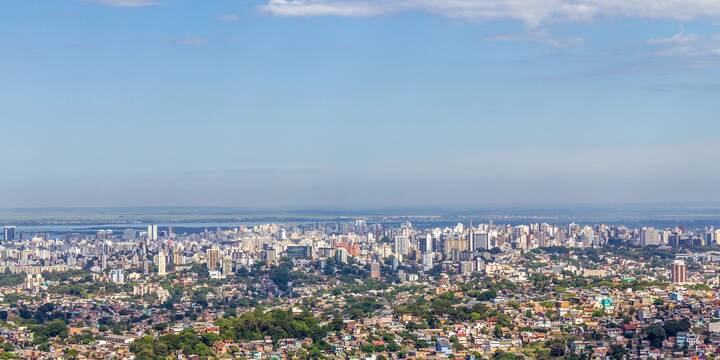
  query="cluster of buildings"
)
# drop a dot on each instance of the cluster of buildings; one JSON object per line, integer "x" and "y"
{"x": 557, "y": 284}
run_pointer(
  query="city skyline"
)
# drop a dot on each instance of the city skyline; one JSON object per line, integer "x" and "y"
{"x": 330, "y": 103}
{"x": 362, "y": 289}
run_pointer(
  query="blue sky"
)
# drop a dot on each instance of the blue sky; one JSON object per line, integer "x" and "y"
{"x": 376, "y": 103}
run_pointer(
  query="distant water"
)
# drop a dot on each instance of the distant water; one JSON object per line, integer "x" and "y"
{"x": 194, "y": 219}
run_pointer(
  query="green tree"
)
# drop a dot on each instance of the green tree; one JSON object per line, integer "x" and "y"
{"x": 655, "y": 334}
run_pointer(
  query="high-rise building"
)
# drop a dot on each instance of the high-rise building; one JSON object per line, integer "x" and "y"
{"x": 117, "y": 276}
{"x": 9, "y": 233}
{"x": 402, "y": 245}
{"x": 298, "y": 252}
{"x": 33, "y": 282}
{"x": 427, "y": 261}
{"x": 177, "y": 257}
{"x": 481, "y": 241}
{"x": 162, "y": 271}
{"x": 375, "y": 270}
{"x": 588, "y": 236}
{"x": 227, "y": 266}
{"x": 341, "y": 255}
{"x": 466, "y": 267}
{"x": 212, "y": 258}
{"x": 426, "y": 245}
{"x": 708, "y": 237}
{"x": 152, "y": 232}
{"x": 678, "y": 272}
{"x": 649, "y": 236}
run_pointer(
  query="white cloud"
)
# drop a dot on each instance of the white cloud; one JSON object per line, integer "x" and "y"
{"x": 323, "y": 8}
{"x": 191, "y": 41}
{"x": 541, "y": 36}
{"x": 229, "y": 17}
{"x": 690, "y": 45}
{"x": 531, "y": 12}
{"x": 677, "y": 39}
{"x": 126, "y": 3}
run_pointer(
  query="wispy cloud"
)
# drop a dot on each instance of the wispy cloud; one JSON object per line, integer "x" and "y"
{"x": 328, "y": 8}
{"x": 126, "y": 3}
{"x": 229, "y": 17}
{"x": 687, "y": 45}
{"x": 191, "y": 41}
{"x": 538, "y": 35}
{"x": 531, "y": 12}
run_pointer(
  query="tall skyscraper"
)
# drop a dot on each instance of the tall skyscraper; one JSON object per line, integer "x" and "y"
{"x": 9, "y": 233}
{"x": 152, "y": 232}
{"x": 402, "y": 244}
{"x": 427, "y": 243}
{"x": 588, "y": 236}
{"x": 678, "y": 272}
{"x": 227, "y": 266}
{"x": 161, "y": 263}
{"x": 213, "y": 256}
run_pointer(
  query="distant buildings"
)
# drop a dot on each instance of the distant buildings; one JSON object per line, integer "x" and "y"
{"x": 480, "y": 241}
{"x": 129, "y": 234}
{"x": 341, "y": 255}
{"x": 9, "y": 233}
{"x": 375, "y": 270}
{"x": 443, "y": 346}
{"x": 440, "y": 259}
{"x": 678, "y": 272}
{"x": 162, "y": 270}
{"x": 426, "y": 245}
{"x": 402, "y": 245}
{"x": 103, "y": 234}
{"x": 117, "y": 276}
{"x": 427, "y": 261}
{"x": 213, "y": 258}
{"x": 649, "y": 236}
{"x": 298, "y": 252}
{"x": 227, "y": 266}
{"x": 152, "y": 232}
{"x": 177, "y": 257}
{"x": 33, "y": 282}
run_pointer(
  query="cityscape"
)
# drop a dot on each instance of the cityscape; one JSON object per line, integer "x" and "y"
{"x": 362, "y": 288}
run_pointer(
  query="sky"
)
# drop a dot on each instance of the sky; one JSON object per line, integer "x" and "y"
{"x": 358, "y": 103}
